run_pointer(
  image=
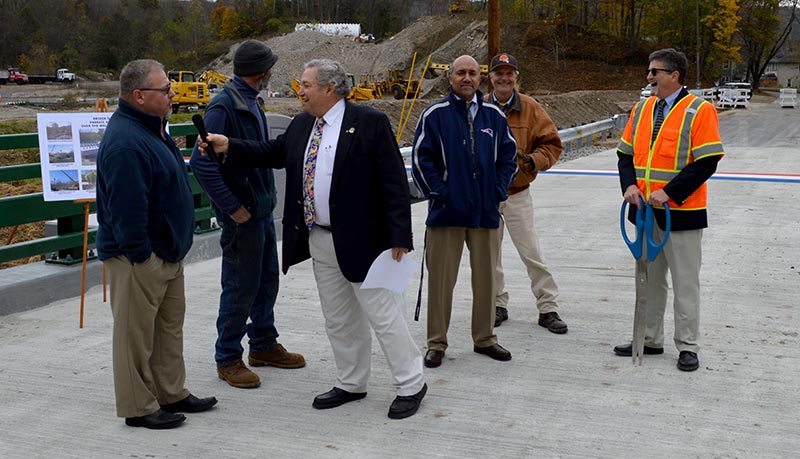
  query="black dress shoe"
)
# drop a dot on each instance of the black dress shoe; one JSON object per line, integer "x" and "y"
{"x": 688, "y": 361}
{"x": 500, "y": 315}
{"x": 494, "y": 351}
{"x": 158, "y": 420}
{"x": 190, "y": 404}
{"x": 336, "y": 397}
{"x": 404, "y": 406}
{"x": 433, "y": 358}
{"x": 626, "y": 350}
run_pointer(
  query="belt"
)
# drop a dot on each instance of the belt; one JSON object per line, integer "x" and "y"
{"x": 323, "y": 227}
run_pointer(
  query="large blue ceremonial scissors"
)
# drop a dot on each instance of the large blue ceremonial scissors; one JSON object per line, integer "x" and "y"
{"x": 645, "y": 251}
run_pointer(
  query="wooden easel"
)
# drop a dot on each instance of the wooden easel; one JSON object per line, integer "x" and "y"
{"x": 100, "y": 105}
{"x": 87, "y": 203}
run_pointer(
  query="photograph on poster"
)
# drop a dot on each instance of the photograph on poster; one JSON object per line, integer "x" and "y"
{"x": 88, "y": 179}
{"x": 90, "y": 143}
{"x": 59, "y": 132}
{"x": 60, "y": 153}
{"x": 64, "y": 180}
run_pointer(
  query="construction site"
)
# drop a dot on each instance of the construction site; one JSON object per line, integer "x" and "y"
{"x": 561, "y": 396}
{"x": 427, "y": 46}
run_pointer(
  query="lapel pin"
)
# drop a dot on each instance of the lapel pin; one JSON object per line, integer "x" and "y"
{"x": 351, "y": 130}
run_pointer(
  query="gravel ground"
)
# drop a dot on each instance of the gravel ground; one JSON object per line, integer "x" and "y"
{"x": 576, "y": 153}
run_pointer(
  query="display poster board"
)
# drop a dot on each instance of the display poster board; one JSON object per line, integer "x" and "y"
{"x": 68, "y": 146}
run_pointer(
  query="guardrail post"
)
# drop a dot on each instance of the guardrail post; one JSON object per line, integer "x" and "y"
{"x": 203, "y": 226}
{"x": 70, "y": 256}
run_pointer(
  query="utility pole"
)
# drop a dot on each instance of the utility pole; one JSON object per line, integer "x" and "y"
{"x": 494, "y": 34}
{"x": 494, "y": 28}
{"x": 697, "y": 38}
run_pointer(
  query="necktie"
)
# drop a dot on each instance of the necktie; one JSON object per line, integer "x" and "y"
{"x": 659, "y": 118}
{"x": 308, "y": 173}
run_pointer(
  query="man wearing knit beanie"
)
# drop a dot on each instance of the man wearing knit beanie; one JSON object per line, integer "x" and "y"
{"x": 253, "y": 57}
{"x": 243, "y": 200}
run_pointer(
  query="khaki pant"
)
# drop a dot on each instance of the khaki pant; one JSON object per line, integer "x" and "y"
{"x": 517, "y": 213}
{"x": 148, "y": 303}
{"x": 682, "y": 257}
{"x": 349, "y": 314}
{"x": 443, "y": 256}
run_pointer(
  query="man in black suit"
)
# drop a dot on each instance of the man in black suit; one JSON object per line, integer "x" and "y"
{"x": 347, "y": 201}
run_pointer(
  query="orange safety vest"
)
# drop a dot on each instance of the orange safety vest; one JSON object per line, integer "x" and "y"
{"x": 690, "y": 132}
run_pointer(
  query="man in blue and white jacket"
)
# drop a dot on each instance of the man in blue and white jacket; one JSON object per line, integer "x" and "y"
{"x": 464, "y": 160}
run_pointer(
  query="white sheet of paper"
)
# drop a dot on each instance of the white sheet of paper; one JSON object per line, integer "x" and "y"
{"x": 389, "y": 274}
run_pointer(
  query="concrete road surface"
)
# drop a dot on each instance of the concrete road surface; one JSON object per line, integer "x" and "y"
{"x": 564, "y": 396}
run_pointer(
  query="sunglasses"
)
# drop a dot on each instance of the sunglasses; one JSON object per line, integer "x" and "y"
{"x": 165, "y": 90}
{"x": 654, "y": 71}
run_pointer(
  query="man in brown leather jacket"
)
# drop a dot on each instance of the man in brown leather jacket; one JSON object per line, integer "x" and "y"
{"x": 538, "y": 148}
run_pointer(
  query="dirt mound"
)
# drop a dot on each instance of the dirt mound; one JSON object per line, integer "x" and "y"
{"x": 581, "y": 107}
{"x": 445, "y": 38}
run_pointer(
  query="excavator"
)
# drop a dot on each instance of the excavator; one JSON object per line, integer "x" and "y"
{"x": 366, "y": 88}
{"x": 398, "y": 85}
{"x": 189, "y": 93}
{"x": 213, "y": 79}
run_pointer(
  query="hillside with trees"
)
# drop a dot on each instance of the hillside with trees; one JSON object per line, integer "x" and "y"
{"x": 565, "y": 37}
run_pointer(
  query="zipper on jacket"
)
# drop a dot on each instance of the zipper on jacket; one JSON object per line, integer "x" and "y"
{"x": 471, "y": 128}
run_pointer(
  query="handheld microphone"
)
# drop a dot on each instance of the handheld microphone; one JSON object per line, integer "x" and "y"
{"x": 197, "y": 120}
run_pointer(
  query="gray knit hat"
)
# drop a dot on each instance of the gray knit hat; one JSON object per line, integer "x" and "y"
{"x": 253, "y": 57}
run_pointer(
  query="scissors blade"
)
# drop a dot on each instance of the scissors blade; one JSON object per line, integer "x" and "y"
{"x": 639, "y": 313}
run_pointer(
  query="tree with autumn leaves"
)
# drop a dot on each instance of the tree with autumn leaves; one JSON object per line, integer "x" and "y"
{"x": 101, "y": 35}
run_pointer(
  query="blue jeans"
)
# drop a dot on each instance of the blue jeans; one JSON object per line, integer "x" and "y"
{"x": 249, "y": 288}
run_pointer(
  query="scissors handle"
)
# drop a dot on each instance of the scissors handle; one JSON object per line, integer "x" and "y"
{"x": 635, "y": 246}
{"x": 654, "y": 249}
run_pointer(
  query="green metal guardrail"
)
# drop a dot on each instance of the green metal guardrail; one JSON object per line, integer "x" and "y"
{"x": 32, "y": 208}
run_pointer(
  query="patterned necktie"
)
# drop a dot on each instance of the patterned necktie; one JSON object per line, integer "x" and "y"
{"x": 308, "y": 173}
{"x": 659, "y": 119}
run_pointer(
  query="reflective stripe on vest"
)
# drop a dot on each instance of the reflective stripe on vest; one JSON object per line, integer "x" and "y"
{"x": 683, "y": 147}
{"x": 655, "y": 170}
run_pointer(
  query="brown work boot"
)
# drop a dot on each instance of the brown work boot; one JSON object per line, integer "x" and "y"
{"x": 277, "y": 356}
{"x": 238, "y": 375}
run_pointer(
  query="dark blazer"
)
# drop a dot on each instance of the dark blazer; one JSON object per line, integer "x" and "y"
{"x": 369, "y": 200}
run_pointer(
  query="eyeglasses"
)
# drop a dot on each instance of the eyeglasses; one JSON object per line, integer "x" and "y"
{"x": 165, "y": 90}
{"x": 654, "y": 71}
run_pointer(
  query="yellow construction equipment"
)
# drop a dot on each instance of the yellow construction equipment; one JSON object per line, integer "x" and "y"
{"x": 296, "y": 89}
{"x": 398, "y": 85}
{"x": 213, "y": 79}
{"x": 366, "y": 88}
{"x": 189, "y": 93}
{"x": 404, "y": 116}
{"x": 446, "y": 67}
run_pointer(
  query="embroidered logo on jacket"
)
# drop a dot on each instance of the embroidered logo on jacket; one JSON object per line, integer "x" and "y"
{"x": 488, "y": 131}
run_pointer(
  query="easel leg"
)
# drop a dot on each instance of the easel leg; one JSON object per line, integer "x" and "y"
{"x": 85, "y": 249}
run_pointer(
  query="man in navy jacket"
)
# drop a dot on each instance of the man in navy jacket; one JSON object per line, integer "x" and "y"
{"x": 145, "y": 215}
{"x": 464, "y": 160}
